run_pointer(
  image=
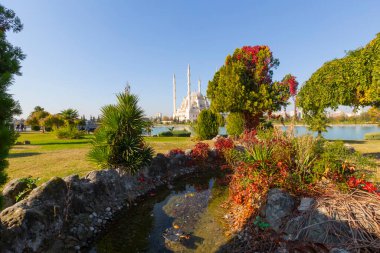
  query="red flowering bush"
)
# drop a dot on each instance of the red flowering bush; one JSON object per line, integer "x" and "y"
{"x": 290, "y": 81}
{"x": 200, "y": 151}
{"x": 175, "y": 151}
{"x": 223, "y": 144}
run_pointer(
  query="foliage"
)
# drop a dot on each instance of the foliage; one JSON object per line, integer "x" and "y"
{"x": 175, "y": 133}
{"x": 374, "y": 114}
{"x": 68, "y": 132}
{"x": 235, "y": 124}
{"x": 30, "y": 185}
{"x": 223, "y": 144}
{"x": 118, "y": 142}
{"x": 272, "y": 158}
{"x": 244, "y": 84}
{"x": 200, "y": 152}
{"x": 53, "y": 121}
{"x": 10, "y": 57}
{"x": 353, "y": 80}
{"x": 36, "y": 117}
{"x": 372, "y": 136}
{"x": 207, "y": 126}
{"x": 175, "y": 151}
{"x": 70, "y": 116}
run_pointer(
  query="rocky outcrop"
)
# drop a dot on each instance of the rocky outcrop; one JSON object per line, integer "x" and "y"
{"x": 64, "y": 215}
{"x": 13, "y": 189}
{"x": 279, "y": 205}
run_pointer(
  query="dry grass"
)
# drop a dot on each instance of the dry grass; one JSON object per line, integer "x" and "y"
{"x": 353, "y": 219}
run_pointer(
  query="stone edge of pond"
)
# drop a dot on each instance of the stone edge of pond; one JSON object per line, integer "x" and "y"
{"x": 65, "y": 215}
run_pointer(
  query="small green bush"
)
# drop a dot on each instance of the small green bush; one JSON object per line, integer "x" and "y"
{"x": 207, "y": 126}
{"x": 69, "y": 132}
{"x": 175, "y": 133}
{"x": 166, "y": 134}
{"x": 372, "y": 136}
{"x": 235, "y": 124}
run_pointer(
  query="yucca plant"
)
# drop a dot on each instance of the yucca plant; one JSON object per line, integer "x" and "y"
{"x": 118, "y": 142}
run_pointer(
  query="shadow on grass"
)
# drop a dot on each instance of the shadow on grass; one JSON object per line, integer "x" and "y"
{"x": 354, "y": 142}
{"x": 373, "y": 155}
{"x": 63, "y": 143}
{"x": 25, "y": 154}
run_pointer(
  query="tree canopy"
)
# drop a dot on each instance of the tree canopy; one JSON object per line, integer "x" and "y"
{"x": 353, "y": 80}
{"x": 10, "y": 57}
{"x": 244, "y": 84}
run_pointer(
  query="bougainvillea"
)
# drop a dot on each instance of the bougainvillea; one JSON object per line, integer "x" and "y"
{"x": 291, "y": 81}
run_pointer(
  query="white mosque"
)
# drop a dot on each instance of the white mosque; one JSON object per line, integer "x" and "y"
{"x": 192, "y": 104}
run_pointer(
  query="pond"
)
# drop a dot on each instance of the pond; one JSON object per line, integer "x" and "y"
{"x": 335, "y": 132}
{"x": 186, "y": 218}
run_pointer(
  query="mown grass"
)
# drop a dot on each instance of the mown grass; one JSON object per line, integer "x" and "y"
{"x": 48, "y": 156}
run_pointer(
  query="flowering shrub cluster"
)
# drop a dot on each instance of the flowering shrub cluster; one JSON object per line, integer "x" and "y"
{"x": 290, "y": 81}
{"x": 200, "y": 151}
{"x": 273, "y": 159}
{"x": 223, "y": 144}
{"x": 174, "y": 152}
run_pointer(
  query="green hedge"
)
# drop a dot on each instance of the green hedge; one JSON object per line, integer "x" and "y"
{"x": 372, "y": 136}
{"x": 175, "y": 133}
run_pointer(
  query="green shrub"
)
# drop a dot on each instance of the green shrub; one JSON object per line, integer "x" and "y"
{"x": 235, "y": 124}
{"x": 35, "y": 128}
{"x": 166, "y": 134}
{"x": 207, "y": 126}
{"x": 69, "y": 132}
{"x": 118, "y": 141}
{"x": 372, "y": 136}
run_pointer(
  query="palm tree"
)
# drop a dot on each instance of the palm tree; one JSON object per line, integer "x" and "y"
{"x": 118, "y": 142}
{"x": 70, "y": 115}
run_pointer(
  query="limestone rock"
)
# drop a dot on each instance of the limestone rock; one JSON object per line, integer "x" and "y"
{"x": 11, "y": 190}
{"x": 279, "y": 205}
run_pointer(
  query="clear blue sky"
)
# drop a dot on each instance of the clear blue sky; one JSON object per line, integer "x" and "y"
{"x": 81, "y": 53}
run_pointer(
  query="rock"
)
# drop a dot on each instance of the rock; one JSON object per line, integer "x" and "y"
{"x": 188, "y": 152}
{"x": 306, "y": 204}
{"x": 349, "y": 148}
{"x": 108, "y": 209}
{"x": 279, "y": 205}
{"x": 12, "y": 190}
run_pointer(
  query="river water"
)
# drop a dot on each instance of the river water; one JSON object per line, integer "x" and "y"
{"x": 186, "y": 218}
{"x": 336, "y": 132}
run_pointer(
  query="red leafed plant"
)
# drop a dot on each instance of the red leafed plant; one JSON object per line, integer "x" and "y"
{"x": 223, "y": 144}
{"x": 362, "y": 184}
{"x": 175, "y": 151}
{"x": 200, "y": 151}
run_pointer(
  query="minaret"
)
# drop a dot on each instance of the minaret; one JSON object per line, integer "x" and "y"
{"x": 188, "y": 87}
{"x": 199, "y": 86}
{"x": 174, "y": 98}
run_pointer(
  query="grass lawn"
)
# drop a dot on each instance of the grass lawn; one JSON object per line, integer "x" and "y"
{"x": 370, "y": 148}
{"x": 48, "y": 156}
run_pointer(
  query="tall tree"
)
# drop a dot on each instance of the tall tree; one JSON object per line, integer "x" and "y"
{"x": 36, "y": 117}
{"x": 244, "y": 84}
{"x": 10, "y": 57}
{"x": 353, "y": 80}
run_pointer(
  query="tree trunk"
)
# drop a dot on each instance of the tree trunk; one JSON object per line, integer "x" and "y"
{"x": 251, "y": 121}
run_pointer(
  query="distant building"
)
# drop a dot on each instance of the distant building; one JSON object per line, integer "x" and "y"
{"x": 191, "y": 105}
